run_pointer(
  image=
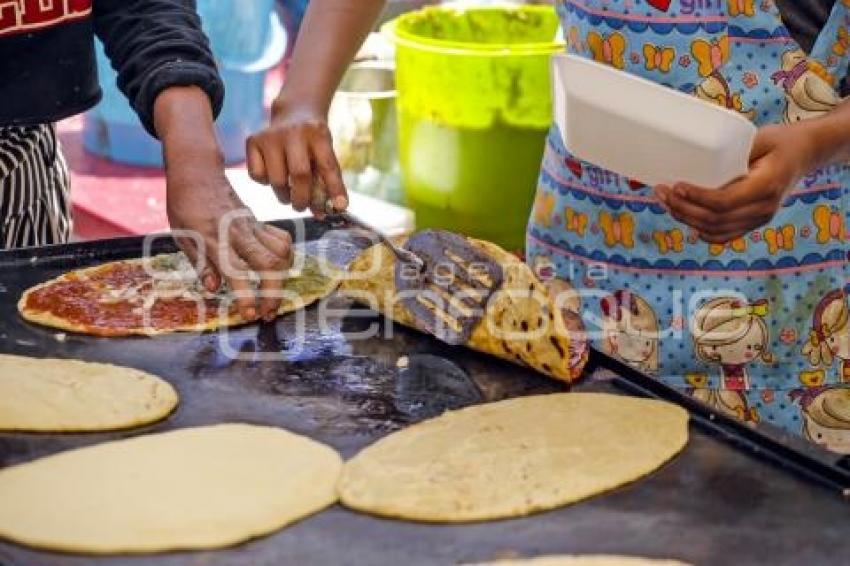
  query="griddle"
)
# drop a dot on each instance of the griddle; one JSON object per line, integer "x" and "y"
{"x": 714, "y": 504}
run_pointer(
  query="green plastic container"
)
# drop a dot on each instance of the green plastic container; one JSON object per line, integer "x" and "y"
{"x": 474, "y": 106}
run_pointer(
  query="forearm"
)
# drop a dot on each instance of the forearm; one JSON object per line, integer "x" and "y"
{"x": 330, "y": 36}
{"x": 830, "y": 137}
{"x": 183, "y": 120}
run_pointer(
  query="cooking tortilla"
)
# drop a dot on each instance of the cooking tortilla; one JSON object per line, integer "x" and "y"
{"x": 539, "y": 336}
{"x": 195, "y": 488}
{"x": 49, "y": 395}
{"x": 158, "y": 295}
{"x": 513, "y": 458}
{"x": 597, "y": 560}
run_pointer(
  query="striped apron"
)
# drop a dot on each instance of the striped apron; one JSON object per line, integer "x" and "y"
{"x": 34, "y": 188}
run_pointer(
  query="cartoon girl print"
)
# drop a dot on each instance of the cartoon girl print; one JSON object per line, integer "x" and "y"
{"x": 630, "y": 330}
{"x": 830, "y": 335}
{"x": 825, "y": 410}
{"x": 711, "y": 56}
{"x": 808, "y": 94}
{"x": 732, "y": 334}
{"x": 730, "y": 403}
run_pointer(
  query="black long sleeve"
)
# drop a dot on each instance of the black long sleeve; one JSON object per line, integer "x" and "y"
{"x": 153, "y": 45}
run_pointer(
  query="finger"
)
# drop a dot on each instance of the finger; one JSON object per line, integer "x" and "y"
{"x": 300, "y": 175}
{"x": 278, "y": 173}
{"x": 725, "y": 237}
{"x": 319, "y": 200}
{"x": 731, "y": 230}
{"x": 662, "y": 193}
{"x": 709, "y": 222}
{"x": 735, "y": 195}
{"x": 278, "y": 241}
{"x": 206, "y": 272}
{"x": 328, "y": 169}
{"x": 269, "y": 265}
{"x": 763, "y": 144}
{"x": 256, "y": 163}
{"x": 238, "y": 275}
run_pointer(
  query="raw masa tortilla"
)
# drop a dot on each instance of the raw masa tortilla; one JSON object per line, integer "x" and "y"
{"x": 195, "y": 488}
{"x": 50, "y": 395}
{"x": 591, "y": 560}
{"x": 513, "y": 458}
{"x": 312, "y": 281}
{"x": 540, "y": 336}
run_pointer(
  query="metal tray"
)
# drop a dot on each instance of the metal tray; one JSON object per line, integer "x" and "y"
{"x": 711, "y": 505}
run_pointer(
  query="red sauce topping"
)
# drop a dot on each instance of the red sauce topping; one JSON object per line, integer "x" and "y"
{"x": 86, "y": 302}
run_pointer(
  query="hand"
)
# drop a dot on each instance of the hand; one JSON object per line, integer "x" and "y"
{"x": 781, "y": 156}
{"x": 232, "y": 242}
{"x": 295, "y": 156}
{"x": 227, "y": 242}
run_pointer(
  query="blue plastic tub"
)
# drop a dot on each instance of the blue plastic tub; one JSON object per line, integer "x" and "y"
{"x": 112, "y": 130}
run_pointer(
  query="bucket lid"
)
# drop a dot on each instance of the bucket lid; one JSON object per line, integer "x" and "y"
{"x": 398, "y": 32}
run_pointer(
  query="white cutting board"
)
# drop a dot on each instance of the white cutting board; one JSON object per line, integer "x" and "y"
{"x": 391, "y": 219}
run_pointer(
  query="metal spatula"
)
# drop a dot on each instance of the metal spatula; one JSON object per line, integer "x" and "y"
{"x": 404, "y": 256}
{"x": 447, "y": 297}
{"x": 442, "y": 279}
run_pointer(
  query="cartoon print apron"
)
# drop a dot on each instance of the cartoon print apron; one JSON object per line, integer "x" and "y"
{"x": 758, "y": 328}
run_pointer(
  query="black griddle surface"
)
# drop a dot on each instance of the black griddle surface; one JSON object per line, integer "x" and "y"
{"x": 711, "y": 505}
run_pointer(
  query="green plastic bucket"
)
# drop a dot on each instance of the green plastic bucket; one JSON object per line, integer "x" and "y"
{"x": 474, "y": 106}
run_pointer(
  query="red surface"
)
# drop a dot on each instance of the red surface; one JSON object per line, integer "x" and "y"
{"x": 111, "y": 199}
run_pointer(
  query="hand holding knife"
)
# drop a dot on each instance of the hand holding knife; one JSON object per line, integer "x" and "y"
{"x": 349, "y": 219}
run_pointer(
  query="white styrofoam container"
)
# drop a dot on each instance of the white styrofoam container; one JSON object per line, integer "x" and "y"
{"x": 646, "y": 131}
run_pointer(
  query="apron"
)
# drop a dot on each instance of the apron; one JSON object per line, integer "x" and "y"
{"x": 35, "y": 195}
{"x": 760, "y": 327}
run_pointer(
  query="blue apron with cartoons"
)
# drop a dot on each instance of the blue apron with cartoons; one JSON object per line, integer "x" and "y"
{"x": 759, "y": 327}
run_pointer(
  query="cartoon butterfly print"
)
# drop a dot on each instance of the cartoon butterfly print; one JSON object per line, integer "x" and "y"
{"x": 609, "y": 49}
{"x": 738, "y": 245}
{"x": 842, "y": 42}
{"x": 618, "y": 230}
{"x": 574, "y": 39}
{"x": 829, "y": 223}
{"x": 779, "y": 239}
{"x": 742, "y": 8}
{"x": 711, "y": 55}
{"x": 575, "y": 221}
{"x": 544, "y": 206}
{"x": 669, "y": 241}
{"x": 658, "y": 57}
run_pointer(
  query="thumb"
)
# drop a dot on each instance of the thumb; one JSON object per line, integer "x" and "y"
{"x": 762, "y": 145}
